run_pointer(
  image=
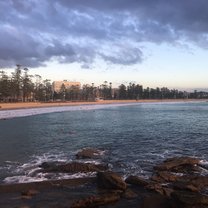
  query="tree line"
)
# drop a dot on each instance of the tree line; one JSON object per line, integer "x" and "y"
{"x": 20, "y": 86}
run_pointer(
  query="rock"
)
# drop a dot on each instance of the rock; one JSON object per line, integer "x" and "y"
{"x": 95, "y": 201}
{"x": 135, "y": 180}
{"x": 156, "y": 201}
{"x": 89, "y": 153}
{"x": 200, "y": 182}
{"x": 172, "y": 163}
{"x": 187, "y": 169}
{"x": 191, "y": 183}
{"x": 164, "y": 176}
{"x": 129, "y": 194}
{"x": 157, "y": 187}
{"x": 110, "y": 180}
{"x": 181, "y": 185}
{"x": 190, "y": 198}
{"x": 30, "y": 192}
{"x": 73, "y": 167}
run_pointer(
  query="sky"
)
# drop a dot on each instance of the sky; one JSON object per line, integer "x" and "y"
{"x": 155, "y": 43}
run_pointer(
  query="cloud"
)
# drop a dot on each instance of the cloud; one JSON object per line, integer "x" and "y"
{"x": 34, "y": 32}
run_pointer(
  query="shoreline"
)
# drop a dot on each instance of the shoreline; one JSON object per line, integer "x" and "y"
{"x": 28, "y": 105}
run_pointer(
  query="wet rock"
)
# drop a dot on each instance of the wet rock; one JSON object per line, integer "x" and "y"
{"x": 110, "y": 180}
{"x": 191, "y": 183}
{"x": 96, "y": 201}
{"x": 181, "y": 185}
{"x": 157, "y": 201}
{"x": 165, "y": 176}
{"x": 129, "y": 194}
{"x": 89, "y": 153}
{"x": 190, "y": 198}
{"x": 30, "y": 192}
{"x": 135, "y": 180}
{"x": 159, "y": 188}
{"x": 172, "y": 163}
{"x": 73, "y": 167}
{"x": 200, "y": 182}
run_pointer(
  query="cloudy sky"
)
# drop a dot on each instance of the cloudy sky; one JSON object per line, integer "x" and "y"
{"x": 151, "y": 42}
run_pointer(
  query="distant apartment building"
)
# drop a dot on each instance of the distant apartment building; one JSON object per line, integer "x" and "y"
{"x": 57, "y": 85}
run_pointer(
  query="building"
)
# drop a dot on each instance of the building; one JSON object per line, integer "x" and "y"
{"x": 57, "y": 85}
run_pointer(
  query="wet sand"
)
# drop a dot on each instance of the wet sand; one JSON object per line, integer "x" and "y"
{"x": 21, "y": 105}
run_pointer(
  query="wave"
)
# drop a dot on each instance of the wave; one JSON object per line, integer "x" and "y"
{"x": 6, "y": 114}
{"x": 31, "y": 171}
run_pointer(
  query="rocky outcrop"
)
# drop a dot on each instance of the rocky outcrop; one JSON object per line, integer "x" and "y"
{"x": 110, "y": 180}
{"x": 164, "y": 176}
{"x": 179, "y": 180}
{"x": 96, "y": 201}
{"x": 157, "y": 201}
{"x": 177, "y": 163}
{"x": 136, "y": 180}
{"x": 191, "y": 199}
{"x": 89, "y": 153}
{"x": 72, "y": 167}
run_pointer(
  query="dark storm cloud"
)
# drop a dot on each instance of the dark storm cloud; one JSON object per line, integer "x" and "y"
{"x": 34, "y": 32}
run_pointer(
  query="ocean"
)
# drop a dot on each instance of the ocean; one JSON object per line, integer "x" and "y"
{"x": 133, "y": 137}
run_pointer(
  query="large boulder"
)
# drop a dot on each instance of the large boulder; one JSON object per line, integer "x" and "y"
{"x": 173, "y": 163}
{"x": 110, "y": 180}
{"x": 89, "y": 153}
{"x": 136, "y": 180}
{"x": 165, "y": 176}
{"x": 190, "y": 198}
{"x": 72, "y": 167}
{"x": 157, "y": 201}
{"x": 96, "y": 201}
{"x": 191, "y": 183}
{"x": 159, "y": 188}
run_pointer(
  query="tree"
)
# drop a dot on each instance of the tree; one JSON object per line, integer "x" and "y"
{"x": 16, "y": 84}
{"x": 27, "y": 86}
{"x": 122, "y": 92}
{"x": 4, "y": 86}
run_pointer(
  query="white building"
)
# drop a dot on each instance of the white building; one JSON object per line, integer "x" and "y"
{"x": 57, "y": 85}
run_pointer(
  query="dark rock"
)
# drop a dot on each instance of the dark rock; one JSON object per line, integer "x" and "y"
{"x": 89, "y": 153}
{"x": 110, "y": 180}
{"x": 181, "y": 185}
{"x": 191, "y": 183}
{"x": 30, "y": 192}
{"x": 135, "y": 180}
{"x": 172, "y": 163}
{"x": 157, "y": 201}
{"x": 73, "y": 167}
{"x": 164, "y": 176}
{"x": 159, "y": 188}
{"x": 200, "y": 182}
{"x": 190, "y": 198}
{"x": 129, "y": 194}
{"x": 187, "y": 169}
{"x": 95, "y": 201}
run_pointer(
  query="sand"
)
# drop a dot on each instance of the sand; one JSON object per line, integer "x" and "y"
{"x": 22, "y": 105}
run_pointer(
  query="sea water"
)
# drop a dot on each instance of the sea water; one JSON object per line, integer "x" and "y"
{"x": 133, "y": 137}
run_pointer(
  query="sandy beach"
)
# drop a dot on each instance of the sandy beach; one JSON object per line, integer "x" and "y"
{"x": 22, "y": 105}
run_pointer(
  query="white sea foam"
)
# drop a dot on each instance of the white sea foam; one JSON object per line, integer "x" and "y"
{"x": 5, "y": 114}
{"x": 45, "y": 177}
{"x": 32, "y": 172}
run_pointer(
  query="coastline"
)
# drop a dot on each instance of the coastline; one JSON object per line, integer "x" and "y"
{"x": 28, "y": 105}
